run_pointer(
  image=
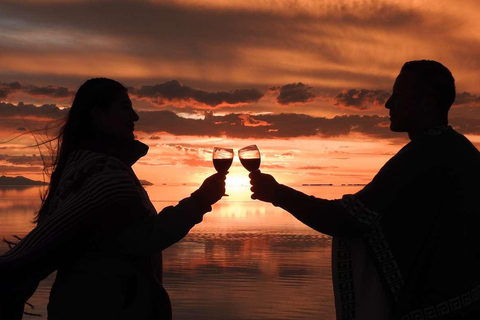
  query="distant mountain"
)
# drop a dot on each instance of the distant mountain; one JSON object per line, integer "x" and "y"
{"x": 146, "y": 183}
{"x": 22, "y": 181}
{"x": 19, "y": 181}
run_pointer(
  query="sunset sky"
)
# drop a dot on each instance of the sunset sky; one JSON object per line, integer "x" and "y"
{"x": 306, "y": 81}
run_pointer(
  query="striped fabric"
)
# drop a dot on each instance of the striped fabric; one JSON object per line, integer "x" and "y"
{"x": 81, "y": 195}
{"x": 102, "y": 233}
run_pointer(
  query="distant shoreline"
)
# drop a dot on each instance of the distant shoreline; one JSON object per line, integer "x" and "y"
{"x": 19, "y": 181}
{"x": 25, "y": 182}
{"x": 333, "y": 185}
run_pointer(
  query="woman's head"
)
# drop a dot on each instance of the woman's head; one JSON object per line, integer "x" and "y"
{"x": 101, "y": 112}
{"x": 101, "y": 108}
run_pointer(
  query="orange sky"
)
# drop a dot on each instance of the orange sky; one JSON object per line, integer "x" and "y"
{"x": 304, "y": 80}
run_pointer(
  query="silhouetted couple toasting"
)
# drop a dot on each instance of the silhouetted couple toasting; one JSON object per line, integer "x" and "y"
{"x": 404, "y": 247}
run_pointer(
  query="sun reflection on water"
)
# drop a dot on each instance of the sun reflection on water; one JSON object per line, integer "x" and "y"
{"x": 255, "y": 260}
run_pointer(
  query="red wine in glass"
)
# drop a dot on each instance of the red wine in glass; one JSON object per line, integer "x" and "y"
{"x": 251, "y": 164}
{"x": 222, "y": 160}
{"x": 222, "y": 165}
{"x": 250, "y": 157}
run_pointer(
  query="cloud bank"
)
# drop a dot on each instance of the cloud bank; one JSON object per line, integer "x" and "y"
{"x": 21, "y": 160}
{"x": 466, "y": 98}
{"x": 45, "y": 111}
{"x": 262, "y": 126}
{"x": 173, "y": 90}
{"x": 337, "y": 44}
{"x": 361, "y": 99}
{"x": 295, "y": 93}
{"x": 237, "y": 125}
{"x": 46, "y": 91}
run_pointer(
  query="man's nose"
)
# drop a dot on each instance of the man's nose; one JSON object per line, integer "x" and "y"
{"x": 389, "y": 102}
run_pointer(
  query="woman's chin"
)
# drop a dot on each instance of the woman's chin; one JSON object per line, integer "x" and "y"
{"x": 129, "y": 135}
{"x": 124, "y": 136}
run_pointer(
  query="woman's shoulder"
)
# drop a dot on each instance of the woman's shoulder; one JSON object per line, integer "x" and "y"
{"x": 94, "y": 178}
{"x": 87, "y": 161}
{"x": 84, "y": 165}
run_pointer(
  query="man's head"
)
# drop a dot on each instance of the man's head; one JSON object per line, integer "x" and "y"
{"x": 422, "y": 95}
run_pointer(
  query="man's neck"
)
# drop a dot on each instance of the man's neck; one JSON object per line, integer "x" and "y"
{"x": 412, "y": 134}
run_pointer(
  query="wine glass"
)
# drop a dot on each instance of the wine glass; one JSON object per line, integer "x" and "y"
{"x": 250, "y": 157}
{"x": 222, "y": 160}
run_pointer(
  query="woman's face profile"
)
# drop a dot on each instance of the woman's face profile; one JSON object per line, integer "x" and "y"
{"x": 118, "y": 120}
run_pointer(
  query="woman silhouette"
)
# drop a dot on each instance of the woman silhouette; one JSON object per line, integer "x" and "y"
{"x": 97, "y": 227}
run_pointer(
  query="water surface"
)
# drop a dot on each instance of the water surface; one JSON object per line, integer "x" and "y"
{"x": 246, "y": 260}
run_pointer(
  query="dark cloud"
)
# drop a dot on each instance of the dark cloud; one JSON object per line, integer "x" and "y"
{"x": 159, "y": 94}
{"x": 199, "y": 35}
{"x": 47, "y": 91}
{"x": 177, "y": 27}
{"x": 175, "y": 91}
{"x": 195, "y": 37}
{"x": 295, "y": 93}
{"x": 274, "y": 89}
{"x": 7, "y": 88}
{"x": 30, "y": 121}
{"x": 22, "y": 160}
{"x": 239, "y": 125}
{"x": 45, "y": 111}
{"x": 18, "y": 170}
{"x": 279, "y": 125}
{"x": 466, "y": 98}
{"x": 3, "y": 93}
{"x": 361, "y": 99}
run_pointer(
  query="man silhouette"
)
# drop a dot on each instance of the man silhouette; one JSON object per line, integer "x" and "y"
{"x": 406, "y": 246}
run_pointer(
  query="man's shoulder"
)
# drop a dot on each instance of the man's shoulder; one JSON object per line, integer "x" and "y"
{"x": 440, "y": 139}
{"x": 451, "y": 142}
{"x": 426, "y": 150}
{"x": 445, "y": 148}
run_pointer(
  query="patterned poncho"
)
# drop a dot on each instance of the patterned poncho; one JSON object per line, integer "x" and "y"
{"x": 104, "y": 238}
{"x": 412, "y": 249}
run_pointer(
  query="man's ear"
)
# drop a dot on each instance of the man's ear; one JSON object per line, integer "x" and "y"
{"x": 432, "y": 103}
{"x": 428, "y": 103}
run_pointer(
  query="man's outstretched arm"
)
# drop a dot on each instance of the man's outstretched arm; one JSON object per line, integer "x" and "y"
{"x": 331, "y": 217}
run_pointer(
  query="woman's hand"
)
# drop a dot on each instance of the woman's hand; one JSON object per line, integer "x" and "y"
{"x": 263, "y": 186}
{"x": 212, "y": 188}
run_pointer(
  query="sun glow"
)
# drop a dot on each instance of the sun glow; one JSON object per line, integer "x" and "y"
{"x": 237, "y": 179}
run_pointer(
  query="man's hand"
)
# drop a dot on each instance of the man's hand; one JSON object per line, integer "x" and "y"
{"x": 213, "y": 188}
{"x": 263, "y": 186}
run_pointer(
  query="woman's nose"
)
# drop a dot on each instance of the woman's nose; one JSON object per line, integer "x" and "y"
{"x": 135, "y": 115}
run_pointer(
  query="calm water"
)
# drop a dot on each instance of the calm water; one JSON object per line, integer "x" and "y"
{"x": 246, "y": 260}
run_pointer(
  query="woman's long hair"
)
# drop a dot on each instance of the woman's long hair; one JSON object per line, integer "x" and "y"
{"x": 78, "y": 127}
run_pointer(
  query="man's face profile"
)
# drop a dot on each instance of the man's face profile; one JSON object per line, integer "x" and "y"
{"x": 404, "y": 103}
